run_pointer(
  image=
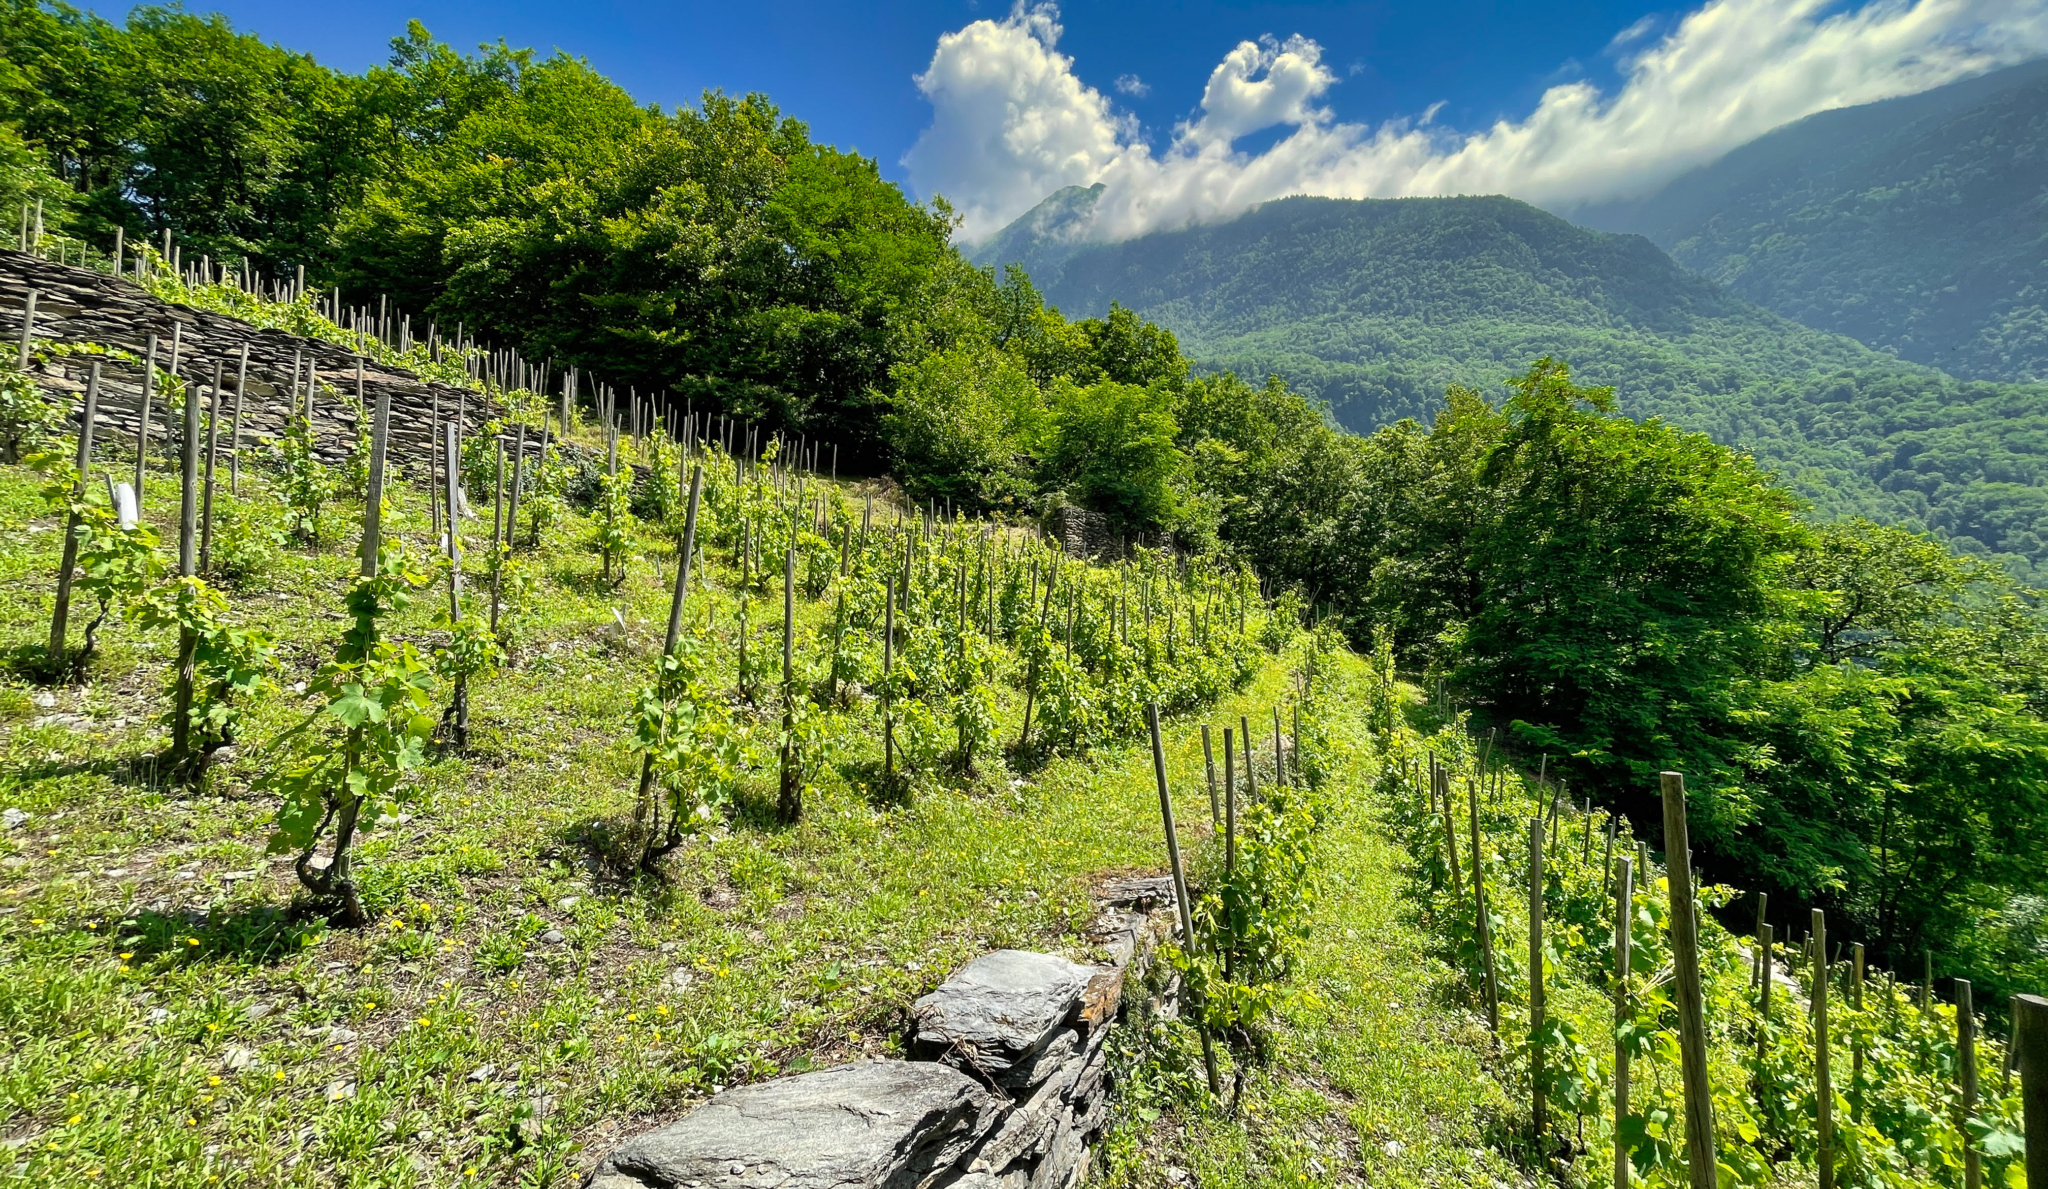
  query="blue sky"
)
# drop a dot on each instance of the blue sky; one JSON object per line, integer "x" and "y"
{"x": 1194, "y": 111}
{"x": 847, "y": 69}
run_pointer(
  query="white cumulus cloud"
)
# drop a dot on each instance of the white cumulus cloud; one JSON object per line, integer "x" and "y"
{"x": 1011, "y": 121}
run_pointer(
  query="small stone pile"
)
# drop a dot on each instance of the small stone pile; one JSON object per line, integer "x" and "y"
{"x": 1006, "y": 1086}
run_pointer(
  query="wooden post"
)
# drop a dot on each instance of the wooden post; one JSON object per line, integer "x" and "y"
{"x": 497, "y": 530}
{"x": 1823, "y": 1076}
{"x": 1624, "y": 918}
{"x": 1856, "y": 1047}
{"x": 373, "y": 503}
{"x": 1539, "y": 1108}
{"x": 518, "y": 475}
{"x": 1763, "y": 1007}
{"x": 1279, "y": 752}
{"x": 1180, "y": 881}
{"x": 28, "y": 329}
{"x": 2030, "y": 1039}
{"x": 212, "y": 453}
{"x": 1229, "y": 813}
{"x": 1209, "y": 761}
{"x": 1763, "y": 900}
{"x": 1443, "y": 788}
{"x": 235, "y": 425}
{"x": 1685, "y": 960}
{"x": 1485, "y": 927}
{"x": 142, "y": 418}
{"x": 60, "y": 617}
{"x": 188, "y": 564}
{"x": 1244, "y": 737}
{"x": 1966, "y": 1077}
{"x": 452, "y": 476}
{"x": 888, "y": 664}
{"x": 2012, "y": 1045}
{"x": 790, "y": 801}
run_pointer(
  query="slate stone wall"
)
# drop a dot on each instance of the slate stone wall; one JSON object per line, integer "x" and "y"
{"x": 1006, "y": 1088}
{"x": 75, "y": 305}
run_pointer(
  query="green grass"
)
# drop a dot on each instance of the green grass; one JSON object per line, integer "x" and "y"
{"x": 1375, "y": 1075}
{"x": 175, "y": 1016}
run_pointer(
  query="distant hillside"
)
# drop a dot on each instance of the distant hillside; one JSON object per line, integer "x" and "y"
{"x": 1918, "y": 226}
{"x": 1376, "y": 306}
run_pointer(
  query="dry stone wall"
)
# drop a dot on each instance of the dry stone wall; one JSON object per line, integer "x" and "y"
{"x": 1006, "y": 1088}
{"x": 75, "y": 305}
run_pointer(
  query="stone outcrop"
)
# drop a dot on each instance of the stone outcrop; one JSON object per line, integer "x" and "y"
{"x": 1007, "y": 1085}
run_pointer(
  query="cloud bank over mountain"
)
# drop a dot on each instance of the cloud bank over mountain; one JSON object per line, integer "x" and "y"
{"x": 1012, "y": 122}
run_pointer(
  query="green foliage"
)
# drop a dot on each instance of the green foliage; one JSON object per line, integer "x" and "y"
{"x": 27, "y": 421}
{"x": 230, "y": 664}
{"x": 614, "y": 518}
{"x": 1376, "y": 306}
{"x": 1256, "y": 908}
{"x": 355, "y": 754}
{"x": 304, "y": 484}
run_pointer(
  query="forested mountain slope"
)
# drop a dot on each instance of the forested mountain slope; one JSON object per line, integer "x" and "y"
{"x": 1378, "y": 306}
{"x": 1916, "y": 225}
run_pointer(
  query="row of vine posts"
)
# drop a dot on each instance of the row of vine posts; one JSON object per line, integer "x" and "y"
{"x": 1756, "y": 1086}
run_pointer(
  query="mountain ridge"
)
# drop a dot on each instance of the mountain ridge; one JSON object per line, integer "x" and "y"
{"x": 1917, "y": 225}
{"x": 1377, "y": 305}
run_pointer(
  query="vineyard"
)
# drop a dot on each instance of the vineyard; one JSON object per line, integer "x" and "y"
{"x": 429, "y": 806}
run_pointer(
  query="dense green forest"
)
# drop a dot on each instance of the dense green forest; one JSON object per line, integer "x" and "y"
{"x": 1377, "y": 306}
{"x": 1859, "y": 705}
{"x": 1914, "y": 225}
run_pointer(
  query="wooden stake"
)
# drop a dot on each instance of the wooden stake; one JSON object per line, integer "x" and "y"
{"x": 1763, "y": 1008}
{"x": 2030, "y": 1039}
{"x": 1180, "y": 880}
{"x": 452, "y": 475}
{"x": 888, "y": 666}
{"x": 1624, "y": 919}
{"x": 789, "y": 804}
{"x": 1856, "y": 1002}
{"x": 373, "y": 503}
{"x": 28, "y": 330}
{"x": 1479, "y": 914}
{"x": 1539, "y": 1106}
{"x": 1685, "y": 956}
{"x": 212, "y": 453}
{"x": 1823, "y": 1076}
{"x": 235, "y": 429}
{"x": 142, "y": 419}
{"x": 1966, "y": 1077}
{"x": 61, "y": 616}
{"x": 1209, "y": 761}
{"x": 188, "y": 562}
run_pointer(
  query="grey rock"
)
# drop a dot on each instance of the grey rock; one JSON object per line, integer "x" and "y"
{"x": 1034, "y": 1069}
{"x": 1029, "y": 1127}
{"x": 871, "y": 1124}
{"x": 553, "y": 937}
{"x": 12, "y": 818}
{"x": 237, "y": 1058}
{"x": 998, "y": 1009}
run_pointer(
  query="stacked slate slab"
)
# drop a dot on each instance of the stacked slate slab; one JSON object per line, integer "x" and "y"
{"x": 1006, "y": 1087}
{"x": 76, "y": 305}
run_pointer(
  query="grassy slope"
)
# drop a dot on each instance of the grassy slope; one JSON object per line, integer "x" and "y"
{"x": 1376, "y": 1076}
{"x": 797, "y": 945}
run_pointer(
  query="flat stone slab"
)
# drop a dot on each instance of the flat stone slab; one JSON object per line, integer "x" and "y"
{"x": 868, "y": 1125}
{"x": 999, "y": 1008}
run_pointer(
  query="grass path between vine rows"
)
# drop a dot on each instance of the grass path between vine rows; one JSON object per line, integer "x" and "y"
{"x": 1375, "y": 1078}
